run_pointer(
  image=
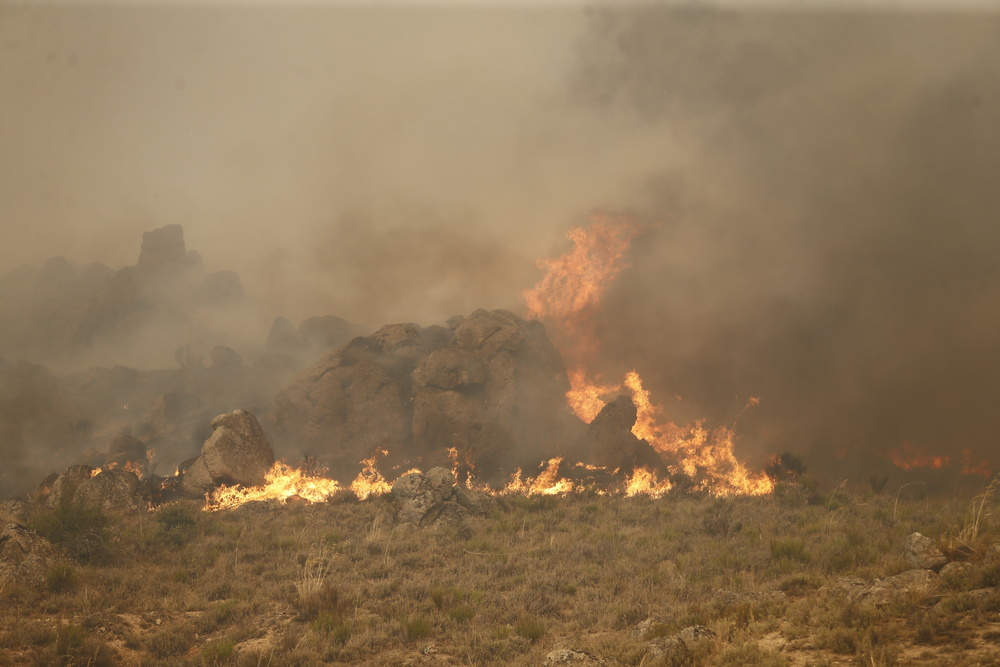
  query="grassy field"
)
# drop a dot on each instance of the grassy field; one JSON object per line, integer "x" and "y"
{"x": 343, "y": 582}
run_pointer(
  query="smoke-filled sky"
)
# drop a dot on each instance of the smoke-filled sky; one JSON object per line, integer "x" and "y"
{"x": 823, "y": 182}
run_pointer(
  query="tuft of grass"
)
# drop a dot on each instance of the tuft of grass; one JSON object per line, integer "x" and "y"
{"x": 415, "y": 627}
{"x": 217, "y": 652}
{"x": 789, "y": 548}
{"x": 60, "y": 578}
{"x": 530, "y": 628}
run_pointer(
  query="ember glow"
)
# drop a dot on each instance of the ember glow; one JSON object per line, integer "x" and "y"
{"x": 566, "y": 299}
{"x": 911, "y": 456}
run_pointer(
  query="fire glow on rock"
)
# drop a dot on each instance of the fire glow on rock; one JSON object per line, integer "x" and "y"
{"x": 566, "y": 299}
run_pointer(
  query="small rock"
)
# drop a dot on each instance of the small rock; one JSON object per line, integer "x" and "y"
{"x": 921, "y": 552}
{"x": 882, "y": 592}
{"x": 421, "y": 497}
{"x": 669, "y": 652}
{"x": 568, "y": 656}
{"x": 696, "y": 636}
{"x": 643, "y": 628}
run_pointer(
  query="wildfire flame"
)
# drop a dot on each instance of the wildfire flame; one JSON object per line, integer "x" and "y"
{"x": 281, "y": 483}
{"x": 567, "y": 298}
{"x": 370, "y": 481}
{"x": 910, "y": 456}
{"x": 547, "y": 483}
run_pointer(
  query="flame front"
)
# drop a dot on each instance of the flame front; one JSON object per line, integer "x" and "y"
{"x": 370, "y": 481}
{"x": 567, "y": 298}
{"x": 282, "y": 482}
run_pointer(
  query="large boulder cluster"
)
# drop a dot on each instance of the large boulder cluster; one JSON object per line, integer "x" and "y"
{"x": 490, "y": 385}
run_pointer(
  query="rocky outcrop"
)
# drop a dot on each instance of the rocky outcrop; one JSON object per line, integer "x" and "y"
{"x": 490, "y": 385}
{"x": 66, "y": 484}
{"x": 611, "y": 444}
{"x": 109, "y": 490}
{"x": 125, "y": 450}
{"x": 882, "y": 592}
{"x": 26, "y": 556}
{"x": 237, "y": 452}
{"x": 921, "y": 552}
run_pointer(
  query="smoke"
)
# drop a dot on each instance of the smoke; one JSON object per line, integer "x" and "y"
{"x": 822, "y": 185}
{"x": 830, "y": 248}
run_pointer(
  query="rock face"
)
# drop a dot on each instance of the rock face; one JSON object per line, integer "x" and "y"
{"x": 25, "y": 555}
{"x": 125, "y": 450}
{"x": 109, "y": 490}
{"x": 237, "y": 452}
{"x": 670, "y": 652}
{"x": 421, "y": 498}
{"x": 66, "y": 484}
{"x": 610, "y": 442}
{"x": 882, "y": 592}
{"x": 920, "y": 551}
{"x": 490, "y": 385}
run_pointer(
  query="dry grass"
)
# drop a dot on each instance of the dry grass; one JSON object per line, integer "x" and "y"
{"x": 339, "y": 582}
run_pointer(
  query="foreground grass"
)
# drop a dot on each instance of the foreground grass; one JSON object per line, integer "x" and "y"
{"x": 342, "y": 582}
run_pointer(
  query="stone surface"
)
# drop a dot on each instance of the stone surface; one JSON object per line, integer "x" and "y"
{"x": 110, "y": 490}
{"x": 66, "y": 484}
{"x": 611, "y": 444}
{"x": 882, "y": 592}
{"x": 920, "y": 551}
{"x": 668, "y": 652}
{"x": 26, "y": 556}
{"x": 491, "y": 386}
{"x": 237, "y": 452}
{"x": 125, "y": 450}
{"x": 421, "y": 498}
{"x": 568, "y": 656}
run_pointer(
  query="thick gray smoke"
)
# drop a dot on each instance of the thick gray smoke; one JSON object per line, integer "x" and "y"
{"x": 828, "y": 230}
{"x": 822, "y": 183}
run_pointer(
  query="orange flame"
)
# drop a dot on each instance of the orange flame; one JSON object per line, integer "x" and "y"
{"x": 568, "y": 297}
{"x": 370, "y": 481}
{"x": 282, "y": 482}
{"x": 910, "y": 457}
{"x": 547, "y": 483}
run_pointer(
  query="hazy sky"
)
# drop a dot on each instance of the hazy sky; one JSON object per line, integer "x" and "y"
{"x": 824, "y": 181}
